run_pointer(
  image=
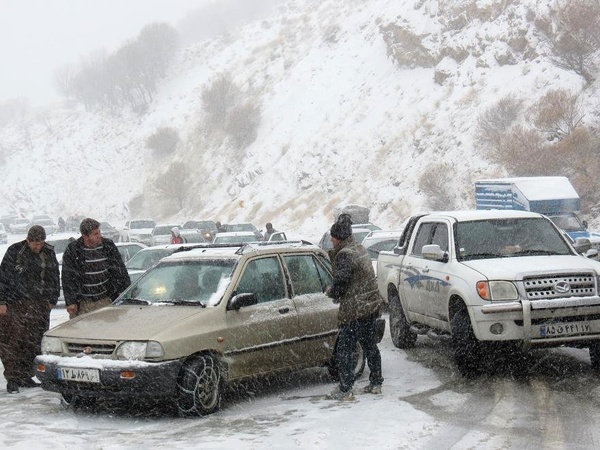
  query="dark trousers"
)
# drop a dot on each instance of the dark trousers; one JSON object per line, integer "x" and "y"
{"x": 365, "y": 332}
{"x": 21, "y": 331}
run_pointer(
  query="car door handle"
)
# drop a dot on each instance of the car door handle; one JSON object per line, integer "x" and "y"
{"x": 284, "y": 310}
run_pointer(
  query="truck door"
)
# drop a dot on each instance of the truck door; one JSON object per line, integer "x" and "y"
{"x": 424, "y": 281}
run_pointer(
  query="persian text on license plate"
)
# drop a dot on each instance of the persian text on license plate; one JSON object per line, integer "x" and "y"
{"x": 82, "y": 375}
{"x": 565, "y": 329}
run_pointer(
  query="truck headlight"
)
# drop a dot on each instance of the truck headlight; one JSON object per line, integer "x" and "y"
{"x": 140, "y": 350}
{"x": 51, "y": 346}
{"x": 497, "y": 290}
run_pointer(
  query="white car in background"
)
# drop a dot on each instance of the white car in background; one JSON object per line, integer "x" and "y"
{"x": 161, "y": 234}
{"x": 235, "y": 237}
{"x": 139, "y": 230}
{"x": 3, "y": 235}
{"x": 19, "y": 225}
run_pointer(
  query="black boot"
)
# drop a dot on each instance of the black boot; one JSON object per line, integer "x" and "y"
{"x": 12, "y": 387}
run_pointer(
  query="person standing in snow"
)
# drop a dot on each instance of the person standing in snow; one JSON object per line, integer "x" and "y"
{"x": 269, "y": 231}
{"x": 176, "y": 237}
{"x": 93, "y": 272}
{"x": 29, "y": 288}
{"x": 355, "y": 289}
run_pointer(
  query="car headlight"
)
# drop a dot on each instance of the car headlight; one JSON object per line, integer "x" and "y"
{"x": 497, "y": 290}
{"x": 140, "y": 350}
{"x": 51, "y": 346}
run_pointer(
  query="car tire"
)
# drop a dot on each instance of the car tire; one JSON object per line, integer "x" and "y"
{"x": 74, "y": 402}
{"x": 467, "y": 349}
{"x": 400, "y": 332}
{"x": 199, "y": 387}
{"x": 359, "y": 368}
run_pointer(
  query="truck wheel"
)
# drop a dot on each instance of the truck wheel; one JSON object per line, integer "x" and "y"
{"x": 199, "y": 387}
{"x": 400, "y": 332}
{"x": 467, "y": 349}
{"x": 595, "y": 357}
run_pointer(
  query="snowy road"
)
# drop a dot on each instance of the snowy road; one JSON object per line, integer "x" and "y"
{"x": 425, "y": 404}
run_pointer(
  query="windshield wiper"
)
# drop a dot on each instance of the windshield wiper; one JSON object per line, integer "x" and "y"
{"x": 134, "y": 301}
{"x": 482, "y": 256}
{"x": 536, "y": 252}
{"x": 178, "y": 301}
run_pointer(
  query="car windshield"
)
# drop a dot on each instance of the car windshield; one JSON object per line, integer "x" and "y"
{"x": 501, "y": 238}
{"x": 196, "y": 283}
{"x": 162, "y": 230}
{"x": 143, "y": 260}
{"x": 142, "y": 224}
{"x": 567, "y": 223}
{"x": 234, "y": 239}
{"x": 241, "y": 227}
{"x": 199, "y": 224}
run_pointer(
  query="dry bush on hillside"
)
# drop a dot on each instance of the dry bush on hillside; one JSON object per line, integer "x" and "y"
{"x": 163, "y": 141}
{"x": 405, "y": 47}
{"x": 172, "y": 186}
{"x": 494, "y": 122}
{"x": 523, "y": 153}
{"x": 557, "y": 113}
{"x": 220, "y": 97}
{"x": 435, "y": 182}
{"x": 573, "y": 30}
{"x": 242, "y": 124}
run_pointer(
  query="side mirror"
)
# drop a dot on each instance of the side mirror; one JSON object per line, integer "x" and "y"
{"x": 582, "y": 245}
{"x": 585, "y": 223}
{"x": 241, "y": 301}
{"x": 434, "y": 253}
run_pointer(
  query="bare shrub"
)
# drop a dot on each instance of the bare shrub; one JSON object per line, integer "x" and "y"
{"x": 434, "y": 183}
{"x": 525, "y": 152}
{"x": 496, "y": 120}
{"x": 242, "y": 124}
{"x": 163, "y": 141}
{"x": 220, "y": 97}
{"x": 575, "y": 37}
{"x": 405, "y": 47}
{"x": 173, "y": 186}
{"x": 557, "y": 113}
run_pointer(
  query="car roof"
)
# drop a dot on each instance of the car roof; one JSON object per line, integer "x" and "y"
{"x": 236, "y": 251}
{"x": 234, "y": 233}
{"x": 481, "y": 214}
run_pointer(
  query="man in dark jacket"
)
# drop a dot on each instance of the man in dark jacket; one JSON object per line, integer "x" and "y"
{"x": 355, "y": 289}
{"x": 93, "y": 272}
{"x": 29, "y": 288}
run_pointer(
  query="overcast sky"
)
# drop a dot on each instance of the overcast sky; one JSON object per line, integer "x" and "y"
{"x": 39, "y": 36}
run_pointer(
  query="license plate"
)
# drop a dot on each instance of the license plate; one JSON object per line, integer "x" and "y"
{"x": 565, "y": 329}
{"x": 81, "y": 375}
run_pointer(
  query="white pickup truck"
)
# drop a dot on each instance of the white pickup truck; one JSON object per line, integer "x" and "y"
{"x": 490, "y": 280}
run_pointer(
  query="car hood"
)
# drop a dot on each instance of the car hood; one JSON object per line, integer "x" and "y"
{"x": 120, "y": 323}
{"x": 515, "y": 268}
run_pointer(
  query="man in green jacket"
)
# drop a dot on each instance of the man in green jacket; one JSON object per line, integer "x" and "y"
{"x": 355, "y": 289}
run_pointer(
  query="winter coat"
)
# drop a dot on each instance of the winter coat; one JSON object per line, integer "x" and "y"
{"x": 73, "y": 269}
{"x": 26, "y": 276}
{"x": 354, "y": 283}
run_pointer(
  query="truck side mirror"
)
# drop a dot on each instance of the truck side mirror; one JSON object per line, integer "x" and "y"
{"x": 434, "y": 252}
{"x": 585, "y": 224}
{"x": 582, "y": 245}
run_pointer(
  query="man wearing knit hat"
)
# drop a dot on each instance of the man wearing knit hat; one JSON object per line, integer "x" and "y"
{"x": 29, "y": 288}
{"x": 355, "y": 289}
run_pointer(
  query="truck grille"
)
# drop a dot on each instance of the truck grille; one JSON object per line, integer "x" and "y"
{"x": 560, "y": 286}
{"x": 90, "y": 349}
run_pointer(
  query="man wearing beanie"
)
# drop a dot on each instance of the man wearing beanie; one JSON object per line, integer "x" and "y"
{"x": 29, "y": 288}
{"x": 355, "y": 289}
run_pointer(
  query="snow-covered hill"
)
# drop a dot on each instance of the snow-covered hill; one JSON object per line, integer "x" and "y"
{"x": 341, "y": 121}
